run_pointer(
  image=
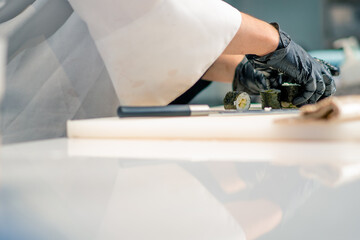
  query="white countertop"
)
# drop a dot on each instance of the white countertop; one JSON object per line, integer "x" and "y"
{"x": 128, "y": 189}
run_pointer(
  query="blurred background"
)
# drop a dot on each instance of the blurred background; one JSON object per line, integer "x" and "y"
{"x": 315, "y": 25}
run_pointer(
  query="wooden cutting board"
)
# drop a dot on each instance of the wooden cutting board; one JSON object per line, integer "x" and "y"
{"x": 214, "y": 127}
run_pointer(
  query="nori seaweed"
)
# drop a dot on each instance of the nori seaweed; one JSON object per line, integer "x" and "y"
{"x": 289, "y": 91}
{"x": 270, "y": 98}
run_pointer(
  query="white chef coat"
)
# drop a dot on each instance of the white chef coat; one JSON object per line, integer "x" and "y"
{"x": 69, "y": 65}
{"x": 155, "y": 50}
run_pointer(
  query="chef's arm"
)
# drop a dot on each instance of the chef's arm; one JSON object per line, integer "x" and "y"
{"x": 253, "y": 37}
{"x": 223, "y": 69}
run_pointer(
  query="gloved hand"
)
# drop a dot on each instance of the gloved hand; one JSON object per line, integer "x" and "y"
{"x": 251, "y": 81}
{"x": 294, "y": 62}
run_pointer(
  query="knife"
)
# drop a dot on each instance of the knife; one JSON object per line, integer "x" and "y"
{"x": 187, "y": 110}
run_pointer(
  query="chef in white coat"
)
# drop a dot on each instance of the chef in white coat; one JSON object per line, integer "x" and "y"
{"x": 82, "y": 58}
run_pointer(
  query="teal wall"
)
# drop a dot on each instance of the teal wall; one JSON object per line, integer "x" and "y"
{"x": 303, "y": 20}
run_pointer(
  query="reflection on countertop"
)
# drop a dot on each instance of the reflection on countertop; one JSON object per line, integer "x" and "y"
{"x": 110, "y": 189}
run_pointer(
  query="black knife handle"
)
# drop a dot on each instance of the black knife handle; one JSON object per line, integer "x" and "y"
{"x": 156, "y": 111}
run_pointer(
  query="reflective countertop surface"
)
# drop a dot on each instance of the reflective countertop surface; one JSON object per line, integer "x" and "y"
{"x": 127, "y": 189}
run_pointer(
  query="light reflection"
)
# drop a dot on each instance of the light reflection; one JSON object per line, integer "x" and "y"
{"x": 259, "y": 196}
{"x": 162, "y": 198}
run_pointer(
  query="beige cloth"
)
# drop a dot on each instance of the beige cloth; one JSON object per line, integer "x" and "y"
{"x": 334, "y": 109}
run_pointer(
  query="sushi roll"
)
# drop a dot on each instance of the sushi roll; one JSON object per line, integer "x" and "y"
{"x": 270, "y": 99}
{"x": 237, "y": 100}
{"x": 289, "y": 91}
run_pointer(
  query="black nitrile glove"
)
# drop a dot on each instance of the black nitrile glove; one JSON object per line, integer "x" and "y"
{"x": 251, "y": 81}
{"x": 294, "y": 62}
